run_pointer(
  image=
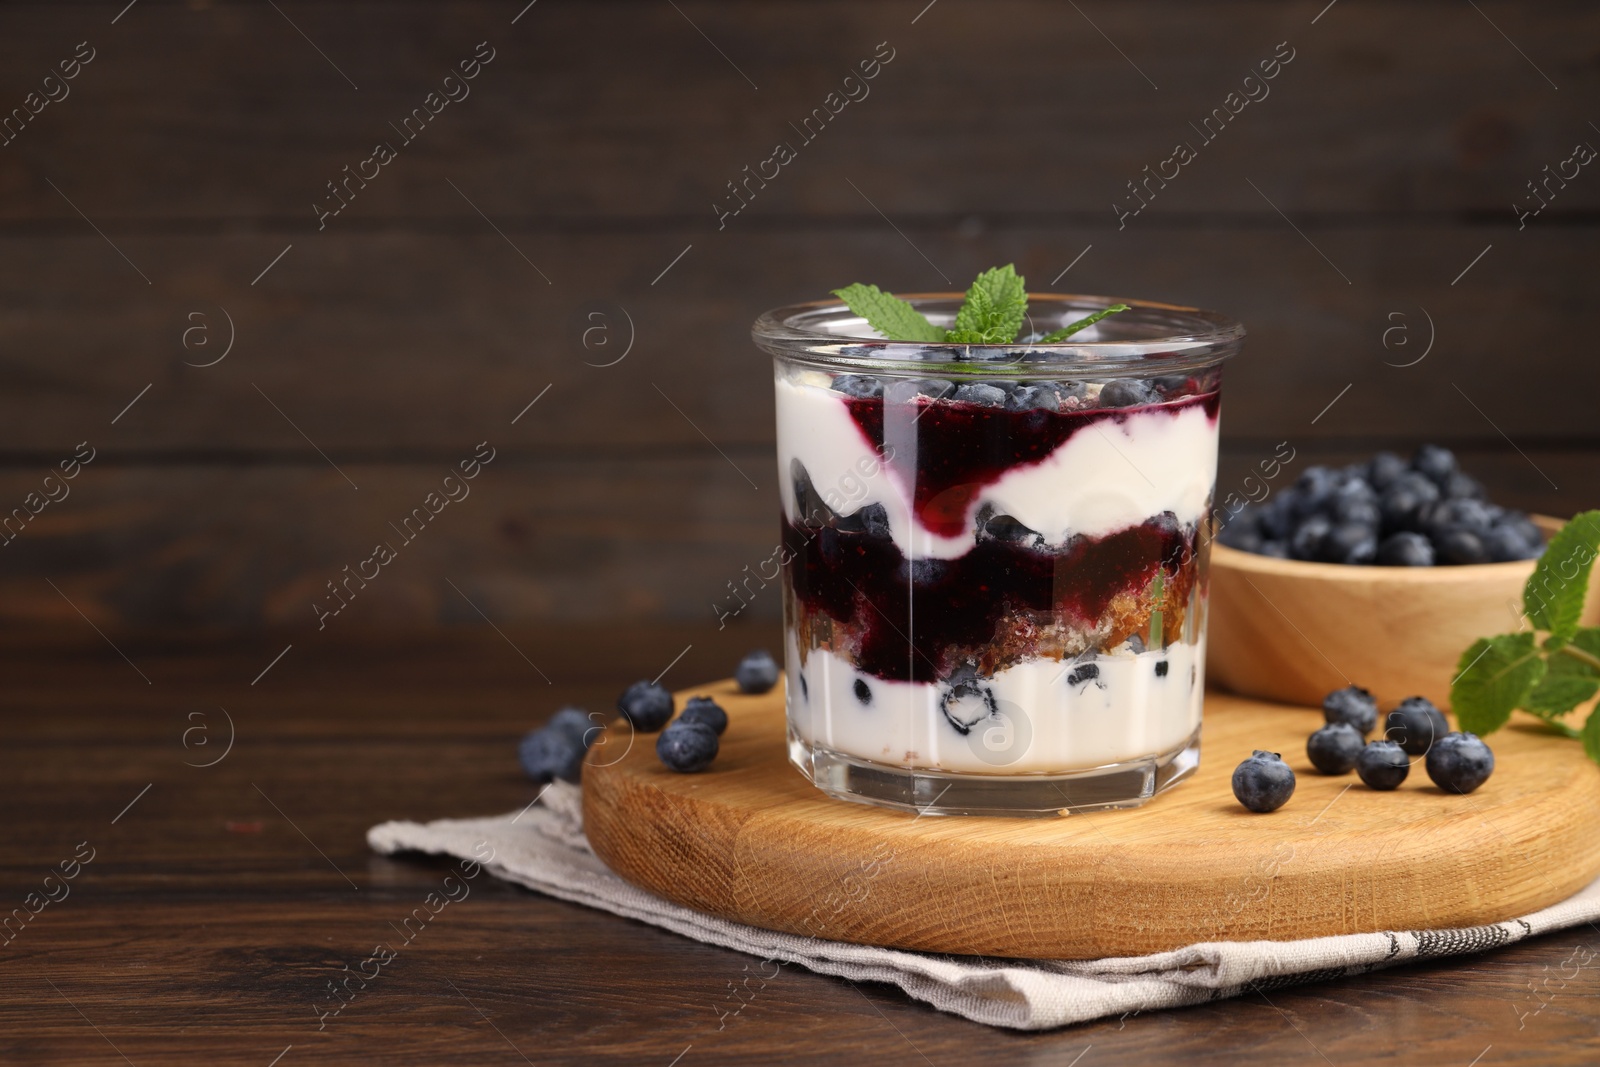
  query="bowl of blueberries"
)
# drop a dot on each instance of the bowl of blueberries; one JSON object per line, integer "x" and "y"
{"x": 1386, "y": 569}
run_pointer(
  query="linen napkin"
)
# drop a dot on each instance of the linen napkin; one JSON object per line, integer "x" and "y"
{"x": 543, "y": 848}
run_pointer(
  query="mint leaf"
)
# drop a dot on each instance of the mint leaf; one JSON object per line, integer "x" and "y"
{"x": 1494, "y": 676}
{"x": 1573, "y": 676}
{"x": 1559, "y": 693}
{"x": 993, "y": 311}
{"x": 1553, "y": 597}
{"x": 1067, "y": 331}
{"x": 1591, "y": 735}
{"x": 892, "y": 317}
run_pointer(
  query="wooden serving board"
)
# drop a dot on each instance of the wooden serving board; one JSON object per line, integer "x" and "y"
{"x": 751, "y": 840}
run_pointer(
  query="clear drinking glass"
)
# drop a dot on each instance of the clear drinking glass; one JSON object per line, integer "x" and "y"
{"x": 994, "y": 556}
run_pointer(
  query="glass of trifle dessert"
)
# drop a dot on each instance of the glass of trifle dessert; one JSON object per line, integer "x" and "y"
{"x": 996, "y": 515}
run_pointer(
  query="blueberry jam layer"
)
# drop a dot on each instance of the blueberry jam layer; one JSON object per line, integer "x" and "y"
{"x": 1006, "y": 600}
{"x": 948, "y": 451}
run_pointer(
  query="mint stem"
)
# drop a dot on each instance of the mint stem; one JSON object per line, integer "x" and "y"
{"x": 1581, "y": 656}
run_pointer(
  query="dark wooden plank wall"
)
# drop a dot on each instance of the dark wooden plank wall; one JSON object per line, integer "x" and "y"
{"x": 597, "y": 140}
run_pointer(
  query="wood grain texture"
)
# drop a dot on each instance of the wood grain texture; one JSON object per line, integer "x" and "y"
{"x": 410, "y": 345}
{"x": 1293, "y": 632}
{"x": 207, "y": 924}
{"x": 622, "y": 110}
{"x": 751, "y": 840}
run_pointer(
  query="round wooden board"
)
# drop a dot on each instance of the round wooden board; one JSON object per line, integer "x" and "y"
{"x": 752, "y": 840}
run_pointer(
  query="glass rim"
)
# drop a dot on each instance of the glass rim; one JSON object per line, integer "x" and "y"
{"x": 1181, "y": 337}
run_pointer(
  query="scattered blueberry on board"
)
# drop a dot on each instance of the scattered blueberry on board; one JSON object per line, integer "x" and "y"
{"x": 646, "y": 705}
{"x": 556, "y": 749}
{"x": 687, "y": 747}
{"x": 1335, "y": 748}
{"x": 1263, "y": 782}
{"x": 757, "y": 672}
{"x": 1352, "y": 705}
{"x": 690, "y": 742}
{"x": 706, "y": 712}
{"x": 1459, "y": 762}
{"x": 1415, "y": 724}
{"x": 1383, "y": 765}
{"x": 1387, "y": 512}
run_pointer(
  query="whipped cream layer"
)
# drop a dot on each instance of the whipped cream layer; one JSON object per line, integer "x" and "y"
{"x": 1110, "y": 474}
{"x": 1047, "y": 720}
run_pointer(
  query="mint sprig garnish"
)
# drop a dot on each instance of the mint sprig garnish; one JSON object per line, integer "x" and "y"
{"x": 995, "y": 307}
{"x": 1548, "y": 678}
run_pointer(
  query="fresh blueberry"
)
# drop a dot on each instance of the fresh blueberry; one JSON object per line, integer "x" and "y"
{"x": 1032, "y": 398}
{"x": 904, "y": 391}
{"x": 860, "y": 386}
{"x": 1353, "y": 485}
{"x": 1275, "y": 549}
{"x": 863, "y": 692}
{"x": 1334, "y": 748}
{"x": 981, "y": 394}
{"x": 1358, "y": 509}
{"x": 1241, "y": 534}
{"x": 1161, "y": 668}
{"x": 1263, "y": 782}
{"x": 1276, "y": 517}
{"x": 1415, "y": 724}
{"x": 1526, "y": 526}
{"x": 1306, "y": 541}
{"x": 1436, "y": 462}
{"x": 1383, "y": 765}
{"x": 547, "y": 754}
{"x": 1460, "y": 546}
{"x": 687, "y": 747}
{"x": 1405, "y": 503}
{"x": 1314, "y": 490}
{"x": 1065, "y": 390}
{"x": 646, "y": 705}
{"x": 1459, "y": 763}
{"x": 1461, "y": 486}
{"x": 1505, "y": 543}
{"x": 1460, "y": 514}
{"x": 1353, "y": 706}
{"x": 757, "y": 672}
{"x": 1171, "y": 385}
{"x": 1383, "y": 469}
{"x": 1348, "y": 542}
{"x": 576, "y": 723}
{"x": 706, "y": 712}
{"x": 1127, "y": 393}
{"x": 966, "y": 701}
{"x": 1405, "y": 549}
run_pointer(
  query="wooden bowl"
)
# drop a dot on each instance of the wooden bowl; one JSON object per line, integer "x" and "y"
{"x": 1293, "y": 632}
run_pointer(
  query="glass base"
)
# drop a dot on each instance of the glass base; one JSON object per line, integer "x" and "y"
{"x": 930, "y": 792}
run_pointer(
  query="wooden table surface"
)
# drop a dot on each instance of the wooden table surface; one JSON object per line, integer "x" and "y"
{"x": 220, "y": 901}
